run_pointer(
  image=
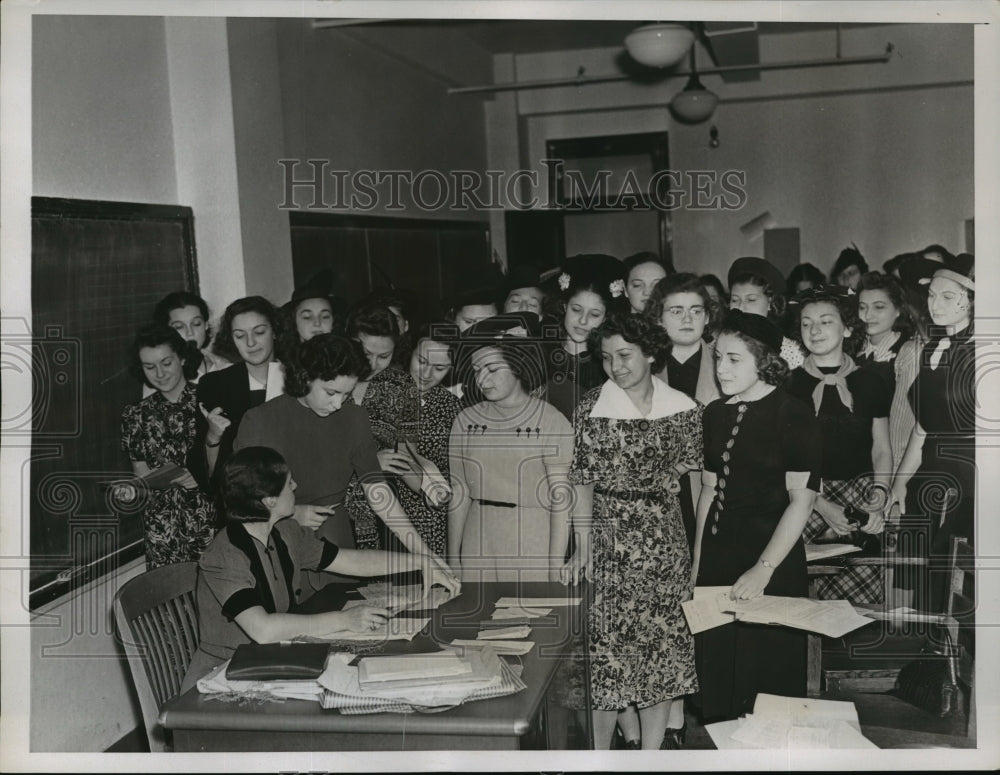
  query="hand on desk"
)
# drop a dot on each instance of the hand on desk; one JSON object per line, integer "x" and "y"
{"x": 436, "y": 575}
{"x": 365, "y": 618}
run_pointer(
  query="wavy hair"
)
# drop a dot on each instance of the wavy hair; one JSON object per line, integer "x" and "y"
{"x": 324, "y": 357}
{"x": 683, "y": 282}
{"x": 846, "y": 306}
{"x": 771, "y": 367}
{"x": 223, "y": 342}
{"x": 179, "y": 300}
{"x": 893, "y": 288}
{"x": 637, "y": 330}
{"x": 155, "y": 335}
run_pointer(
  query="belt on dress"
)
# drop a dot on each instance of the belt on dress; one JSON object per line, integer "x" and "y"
{"x": 499, "y": 504}
{"x": 629, "y": 495}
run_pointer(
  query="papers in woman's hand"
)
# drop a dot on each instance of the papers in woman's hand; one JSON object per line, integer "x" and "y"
{"x": 711, "y": 607}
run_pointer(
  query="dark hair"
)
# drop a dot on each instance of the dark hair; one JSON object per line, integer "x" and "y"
{"x": 523, "y": 355}
{"x": 155, "y": 335}
{"x": 324, "y": 357}
{"x": 683, "y": 282}
{"x": 647, "y": 257}
{"x": 715, "y": 282}
{"x": 637, "y": 330}
{"x": 804, "y": 273}
{"x": 771, "y": 367}
{"x": 848, "y": 257}
{"x": 179, "y": 300}
{"x": 847, "y": 308}
{"x": 249, "y": 476}
{"x": 373, "y": 318}
{"x": 223, "y": 343}
{"x": 442, "y": 332}
{"x": 893, "y": 288}
{"x": 776, "y": 299}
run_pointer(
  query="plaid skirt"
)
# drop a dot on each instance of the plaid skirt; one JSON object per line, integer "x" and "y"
{"x": 860, "y": 584}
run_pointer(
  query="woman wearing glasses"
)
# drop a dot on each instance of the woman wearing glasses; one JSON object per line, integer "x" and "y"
{"x": 682, "y": 306}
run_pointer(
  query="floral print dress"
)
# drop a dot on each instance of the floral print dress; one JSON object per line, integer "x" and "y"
{"x": 179, "y": 523}
{"x": 641, "y": 650}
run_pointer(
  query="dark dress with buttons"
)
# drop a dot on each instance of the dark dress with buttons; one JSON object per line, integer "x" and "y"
{"x": 750, "y": 446}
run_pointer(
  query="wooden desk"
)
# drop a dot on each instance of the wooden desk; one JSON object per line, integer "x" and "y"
{"x": 200, "y": 724}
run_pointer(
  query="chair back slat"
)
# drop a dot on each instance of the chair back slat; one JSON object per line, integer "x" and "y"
{"x": 158, "y": 626}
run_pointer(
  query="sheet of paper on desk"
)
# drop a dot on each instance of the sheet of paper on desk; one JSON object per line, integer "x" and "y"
{"x": 502, "y": 647}
{"x": 400, "y": 628}
{"x": 805, "y": 710}
{"x": 703, "y": 611}
{"x": 505, "y": 633}
{"x": 822, "y": 551}
{"x": 536, "y": 602}
{"x": 520, "y": 613}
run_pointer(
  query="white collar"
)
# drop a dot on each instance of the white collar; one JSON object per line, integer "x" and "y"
{"x": 275, "y": 381}
{"x": 615, "y": 404}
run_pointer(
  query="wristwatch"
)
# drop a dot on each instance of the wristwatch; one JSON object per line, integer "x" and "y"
{"x": 766, "y": 564}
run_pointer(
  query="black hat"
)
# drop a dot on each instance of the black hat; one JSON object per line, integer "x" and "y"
{"x": 599, "y": 269}
{"x": 319, "y": 286}
{"x": 759, "y": 267}
{"x": 960, "y": 269}
{"x": 480, "y": 295}
{"x": 755, "y": 326}
{"x": 824, "y": 293}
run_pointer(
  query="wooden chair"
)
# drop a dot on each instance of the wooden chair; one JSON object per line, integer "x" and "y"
{"x": 864, "y": 669}
{"x": 158, "y": 626}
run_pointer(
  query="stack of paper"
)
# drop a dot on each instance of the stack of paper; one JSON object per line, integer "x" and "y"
{"x": 217, "y": 683}
{"x": 792, "y": 723}
{"x": 514, "y": 612}
{"x": 536, "y": 602}
{"x": 441, "y": 666}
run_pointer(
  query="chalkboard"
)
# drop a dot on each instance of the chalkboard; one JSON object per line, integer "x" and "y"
{"x": 97, "y": 271}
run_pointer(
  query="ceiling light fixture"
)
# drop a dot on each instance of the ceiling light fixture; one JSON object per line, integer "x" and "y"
{"x": 694, "y": 103}
{"x": 659, "y": 45}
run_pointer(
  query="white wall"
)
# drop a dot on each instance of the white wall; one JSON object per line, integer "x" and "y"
{"x": 878, "y": 154}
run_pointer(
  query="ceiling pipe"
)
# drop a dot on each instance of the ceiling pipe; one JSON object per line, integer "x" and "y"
{"x": 583, "y": 80}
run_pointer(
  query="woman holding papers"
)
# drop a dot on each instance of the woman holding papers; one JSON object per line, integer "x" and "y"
{"x": 328, "y": 440}
{"x": 635, "y": 437}
{"x": 411, "y": 418}
{"x": 762, "y": 460}
{"x": 852, "y": 406}
{"x": 509, "y": 455}
{"x": 178, "y": 520}
{"x": 251, "y": 577}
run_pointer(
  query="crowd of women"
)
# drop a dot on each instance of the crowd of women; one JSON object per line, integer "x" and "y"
{"x": 617, "y": 421}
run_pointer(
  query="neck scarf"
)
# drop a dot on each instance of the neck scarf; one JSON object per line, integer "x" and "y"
{"x": 838, "y": 379}
{"x": 882, "y": 352}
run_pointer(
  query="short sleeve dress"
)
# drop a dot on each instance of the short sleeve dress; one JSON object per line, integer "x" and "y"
{"x": 237, "y": 572}
{"x": 641, "y": 650}
{"x": 501, "y": 463}
{"x": 178, "y": 523}
{"x": 750, "y": 446}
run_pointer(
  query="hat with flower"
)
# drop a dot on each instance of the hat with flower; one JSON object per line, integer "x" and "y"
{"x": 596, "y": 272}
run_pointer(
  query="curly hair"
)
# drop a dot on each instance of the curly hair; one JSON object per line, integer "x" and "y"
{"x": 324, "y": 357}
{"x": 249, "y": 476}
{"x": 683, "y": 282}
{"x": 775, "y": 298}
{"x": 771, "y": 367}
{"x": 637, "y": 330}
{"x": 893, "y": 288}
{"x": 847, "y": 308}
{"x": 155, "y": 335}
{"x": 223, "y": 342}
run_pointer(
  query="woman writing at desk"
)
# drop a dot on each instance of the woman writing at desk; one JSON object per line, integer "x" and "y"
{"x": 250, "y": 579}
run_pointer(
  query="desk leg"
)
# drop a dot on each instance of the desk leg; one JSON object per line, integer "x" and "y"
{"x": 814, "y": 664}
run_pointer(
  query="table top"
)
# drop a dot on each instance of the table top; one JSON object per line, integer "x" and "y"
{"x": 458, "y": 618}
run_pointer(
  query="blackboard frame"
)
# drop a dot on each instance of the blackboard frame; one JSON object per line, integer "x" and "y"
{"x": 54, "y": 581}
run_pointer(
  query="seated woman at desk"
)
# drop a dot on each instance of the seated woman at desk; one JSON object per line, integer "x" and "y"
{"x": 250, "y": 579}
{"x": 762, "y": 458}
